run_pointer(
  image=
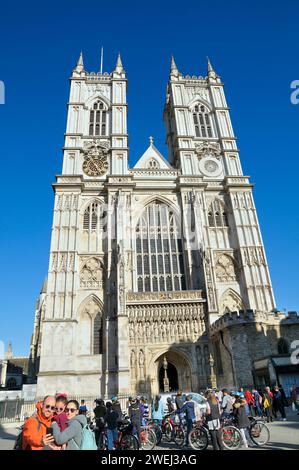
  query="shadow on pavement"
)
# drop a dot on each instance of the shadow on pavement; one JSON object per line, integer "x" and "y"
{"x": 6, "y": 435}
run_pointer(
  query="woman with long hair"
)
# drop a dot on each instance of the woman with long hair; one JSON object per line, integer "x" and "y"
{"x": 157, "y": 410}
{"x": 213, "y": 420}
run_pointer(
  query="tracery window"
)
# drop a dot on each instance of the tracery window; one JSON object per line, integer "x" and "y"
{"x": 159, "y": 252}
{"x": 202, "y": 121}
{"x": 98, "y": 334}
{"x": 98, "y": 119}
{"x": 94, "y": 217}
{"x": 217, "y": 215}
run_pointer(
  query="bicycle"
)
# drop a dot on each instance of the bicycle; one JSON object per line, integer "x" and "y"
{"x": 126, "y": 440}
{"x": 147, "y": 438}
{"x": 156, "y": 429}
{"x": 179, "y": 432}
{"x": 199, "y": 437}
{"x": 258, "y": 431}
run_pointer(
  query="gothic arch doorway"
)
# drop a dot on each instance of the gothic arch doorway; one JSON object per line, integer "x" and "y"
{"x": 178, "y": 371}
{"x": 172, "y": 375}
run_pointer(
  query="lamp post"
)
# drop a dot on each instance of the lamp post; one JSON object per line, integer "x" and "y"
{"x": 212, "y": 373}
{"x": 165, "y": 379}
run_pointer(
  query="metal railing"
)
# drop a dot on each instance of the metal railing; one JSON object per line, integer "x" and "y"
{"x": 17, "y": 410}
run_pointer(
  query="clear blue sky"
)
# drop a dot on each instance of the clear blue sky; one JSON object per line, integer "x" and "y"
{"x": 253, "y": 46}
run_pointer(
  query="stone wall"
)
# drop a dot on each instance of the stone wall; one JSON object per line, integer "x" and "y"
{"x": 246, "y": 336}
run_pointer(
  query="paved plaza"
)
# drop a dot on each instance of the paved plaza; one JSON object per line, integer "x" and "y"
{"x": 284, "y": 435}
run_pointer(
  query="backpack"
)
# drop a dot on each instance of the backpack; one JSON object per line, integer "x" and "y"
{"x": 88, "y": 440}
{"x": 19, "y": 440}
{"x": 266, "y": 403}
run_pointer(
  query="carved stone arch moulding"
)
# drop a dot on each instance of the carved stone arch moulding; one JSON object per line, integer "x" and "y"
{"x": 231, "y": 302}
{"x": 91, "y": 306}
{"x": 85, "y": 203}
{"x": 225, "y": 268}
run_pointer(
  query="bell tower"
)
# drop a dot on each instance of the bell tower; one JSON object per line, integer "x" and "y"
{"x": 200, "y": 136}
{"x": 96, "y": 139}
{"x": 202, "y": 146}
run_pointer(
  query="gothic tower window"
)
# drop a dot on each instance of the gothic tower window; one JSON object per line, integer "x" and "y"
{"x": 98, "y": 334}
{"x": 98, "y": 119}
{"x": 94, "y": 217}
{"x": 202, "y": 121}
{"x": 159, "y": 255}
{"x": 217, "y": 214}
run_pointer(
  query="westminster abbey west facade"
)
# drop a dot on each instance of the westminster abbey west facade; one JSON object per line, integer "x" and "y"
{"x": 146, "y": 260}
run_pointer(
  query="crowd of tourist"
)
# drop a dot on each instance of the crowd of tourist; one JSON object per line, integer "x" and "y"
{"x": 61, "y": 424}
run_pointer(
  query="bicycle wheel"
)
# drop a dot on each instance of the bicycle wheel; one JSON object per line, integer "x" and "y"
{"x": 259, "y": 433}
{"x": 129, "y": 442}
{"x": 103, "y": 441}
{"x": 198, "y": 438}
{"x": 231, "y": 437}
{"x": 179, "y": 436}
{"x": 157, "y": 430}
{"x": 169, "y": 432}
{"x": 148, "y": 439}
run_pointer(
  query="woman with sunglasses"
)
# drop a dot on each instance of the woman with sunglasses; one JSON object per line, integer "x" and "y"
{"x": 72, "y": 435}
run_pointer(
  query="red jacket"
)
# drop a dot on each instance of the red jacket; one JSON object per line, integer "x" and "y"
{"x": 61, "y": 420}
{"x": 249, "y": 398}
{"x": 35, "y": 428}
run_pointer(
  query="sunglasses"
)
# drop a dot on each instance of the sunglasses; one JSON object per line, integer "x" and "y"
{"x": 70, "y": 410}
{"x": 49, "y": 407}
{"x": 59, "y": 409}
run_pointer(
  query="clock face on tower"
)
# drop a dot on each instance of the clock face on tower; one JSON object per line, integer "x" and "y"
{"x": 95, "y": 165}
{"x": 95, "y": 158}
{"x": 210, "y": 166}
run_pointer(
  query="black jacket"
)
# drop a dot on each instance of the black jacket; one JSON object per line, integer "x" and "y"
{"x": 135, "y": 413}
{"x": 242, "y": 419}
{"x": 111, "y": 419}
{"x": 100, "y": 411}
{"x": 116, "y": 407}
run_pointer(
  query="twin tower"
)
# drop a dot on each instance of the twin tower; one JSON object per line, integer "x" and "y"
{"x": 144, "y": 259}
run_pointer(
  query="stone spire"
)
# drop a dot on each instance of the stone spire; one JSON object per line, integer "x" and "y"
{"x": 80, "y": 66}
{"x": 119, "y": 66}
{"x": 211, "y": 71}
{"x": 9, "y": 354}
{"x": 173, "y": 68}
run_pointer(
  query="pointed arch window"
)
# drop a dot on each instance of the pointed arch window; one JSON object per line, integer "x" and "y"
{"x": 159, "y": 256}
{"x": 94, "y": 217}
{"x": 202, "y": 121}
{"x": 217, "y": 214}
{"x": 98, "y": 119}
{"x": 98, "y": 334}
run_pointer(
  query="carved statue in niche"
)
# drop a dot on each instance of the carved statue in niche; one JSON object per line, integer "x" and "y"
{"x": 141, "y": 364}
{"x": 133, "y": 364}
{"x": 131, "y": 332}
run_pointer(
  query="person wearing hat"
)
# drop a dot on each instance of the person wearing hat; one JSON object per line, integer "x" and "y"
{"x": 135, "y": 415}
{"x": 145, "y": 414}
{"x": 116, "y": 407}
{"x": 111, "y": 419}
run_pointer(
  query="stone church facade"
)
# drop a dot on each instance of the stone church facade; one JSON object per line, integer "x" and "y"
{"x": 145, "y": 261}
